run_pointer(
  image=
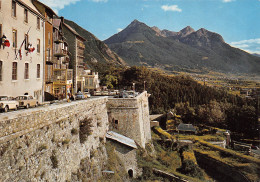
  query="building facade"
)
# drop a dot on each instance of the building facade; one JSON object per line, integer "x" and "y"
{"x": 22, "y": 49}
{"x": 62, "y": 74}
{"x": 91, "y": 80}
{"x": 76, "y": 49}
{"x": 48, "y": 14}
{"x": 58, "y": 78}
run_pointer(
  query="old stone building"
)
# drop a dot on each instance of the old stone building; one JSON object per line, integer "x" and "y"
{"x": 22, "y": 49}
{"x": 130, "y": 117}
{"x": 58, "y": 78}
{"x": 91, "y": 80}
{"x": 62, "y": 74}
{"x": 76, "y": 48}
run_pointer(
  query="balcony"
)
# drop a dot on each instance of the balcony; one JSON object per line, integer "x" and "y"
{"x": 61, "y": 53}
{"x": 58, "y": 41}
{"x": 66, "y": 59}
{"x": 81, "y": 65}
{"x": 49, "y": 60}
{"x": 58, "y": 38}
{"x": 49, "y": 79}
{"x": 63, "y": 76}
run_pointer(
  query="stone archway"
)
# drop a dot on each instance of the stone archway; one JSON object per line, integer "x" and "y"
{"x": 131, "y": 173}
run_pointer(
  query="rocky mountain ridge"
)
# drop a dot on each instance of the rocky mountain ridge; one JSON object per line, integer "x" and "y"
{"x": 95, "y": 49}
{"x": 139, "y": 44}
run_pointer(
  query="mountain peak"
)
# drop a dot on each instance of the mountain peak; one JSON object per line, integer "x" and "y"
{"x": 186, "y": 31}
{"x": 213, "y": 36}
{"x": 135, "y": 23}
{"x": 203, "y": 31}
{"x": 156, "y": 28}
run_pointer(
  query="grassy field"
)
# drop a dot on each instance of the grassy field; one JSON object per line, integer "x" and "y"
{"x": 173, "y": 159}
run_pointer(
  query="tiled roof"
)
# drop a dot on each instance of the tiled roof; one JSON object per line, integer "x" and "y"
{"x": 28, "y": 4}
{"x": 47, "y": 7}
{"x": 74, "y": 31}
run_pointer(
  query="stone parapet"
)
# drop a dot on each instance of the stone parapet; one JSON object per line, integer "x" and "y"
{"x": 17, "y": 123}
{"x": 62, "y": 142}
{"x": 130, "y": 117}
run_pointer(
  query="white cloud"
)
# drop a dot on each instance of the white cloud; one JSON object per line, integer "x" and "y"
{"x": 119, "y": 29}
{"x": 98, "y": 1}
{"x": 57, "y": 5}
{"x": 251, "y": 45}
{"x": 227, "y": 1}
{"x": 171, "y": 8}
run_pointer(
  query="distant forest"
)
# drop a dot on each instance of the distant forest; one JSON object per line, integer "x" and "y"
{"x": 196, "y": 103}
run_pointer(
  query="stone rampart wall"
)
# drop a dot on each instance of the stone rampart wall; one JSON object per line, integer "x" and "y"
{"x": 50, "y": 144}
{"x": 130, "y": 117}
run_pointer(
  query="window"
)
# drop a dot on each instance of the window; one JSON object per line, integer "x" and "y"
{"x": 115, "y": 123}
{"x": 26, "y": 71}
{"x": 26, "y": 43}
{"x": 91, "y": 83}
{"x": 49, "y": 38}
{"x": 38, "y": 23}
{"x": 25, "y": 15}
{"x": 48, "y": 54}
{"x": 1, "y": 33}
{"x": 38, "y": 45}
{"x": 13, "y": 8}
{"x": 14, "y": 38}
{"x": 14, "y": 71}
{"x": 1, "y": 68}
{"x": 38, "y": 70}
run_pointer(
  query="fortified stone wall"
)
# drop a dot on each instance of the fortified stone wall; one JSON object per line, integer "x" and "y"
{"x": 65, "y": 142}
{"x": 216, "y": 167}
{"x": 52, "y": 144}
{"x": 130, "y": 117}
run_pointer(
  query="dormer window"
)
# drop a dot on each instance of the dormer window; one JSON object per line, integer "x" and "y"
{"x": 25, "y": 15}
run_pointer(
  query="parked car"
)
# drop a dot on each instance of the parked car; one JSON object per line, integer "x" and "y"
{"x": 79, "y": 96}
{"x": 27, "y": 101}
{"x": 8, "y": 103}
{"x": 87, "y": 94}
{"x": 254, "y": 147}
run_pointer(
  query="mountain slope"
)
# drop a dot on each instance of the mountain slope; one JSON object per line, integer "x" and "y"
{"x": 139, "y": 44}
{"x": 257, "y": 55}
{"x": 96, "y": 50}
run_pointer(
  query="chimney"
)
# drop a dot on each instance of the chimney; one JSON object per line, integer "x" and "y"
{"x": 62, "y": 19}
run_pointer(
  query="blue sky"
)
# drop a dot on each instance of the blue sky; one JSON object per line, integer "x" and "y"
{"x": 238, "y": 21}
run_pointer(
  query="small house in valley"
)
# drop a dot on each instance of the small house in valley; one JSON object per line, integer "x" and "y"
{"x": 186, "y": 129}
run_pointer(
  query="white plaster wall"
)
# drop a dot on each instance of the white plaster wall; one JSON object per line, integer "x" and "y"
{"x": 20, "y": 86}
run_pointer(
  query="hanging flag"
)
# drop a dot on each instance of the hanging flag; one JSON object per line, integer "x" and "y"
{"x": 6, "y": 43}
